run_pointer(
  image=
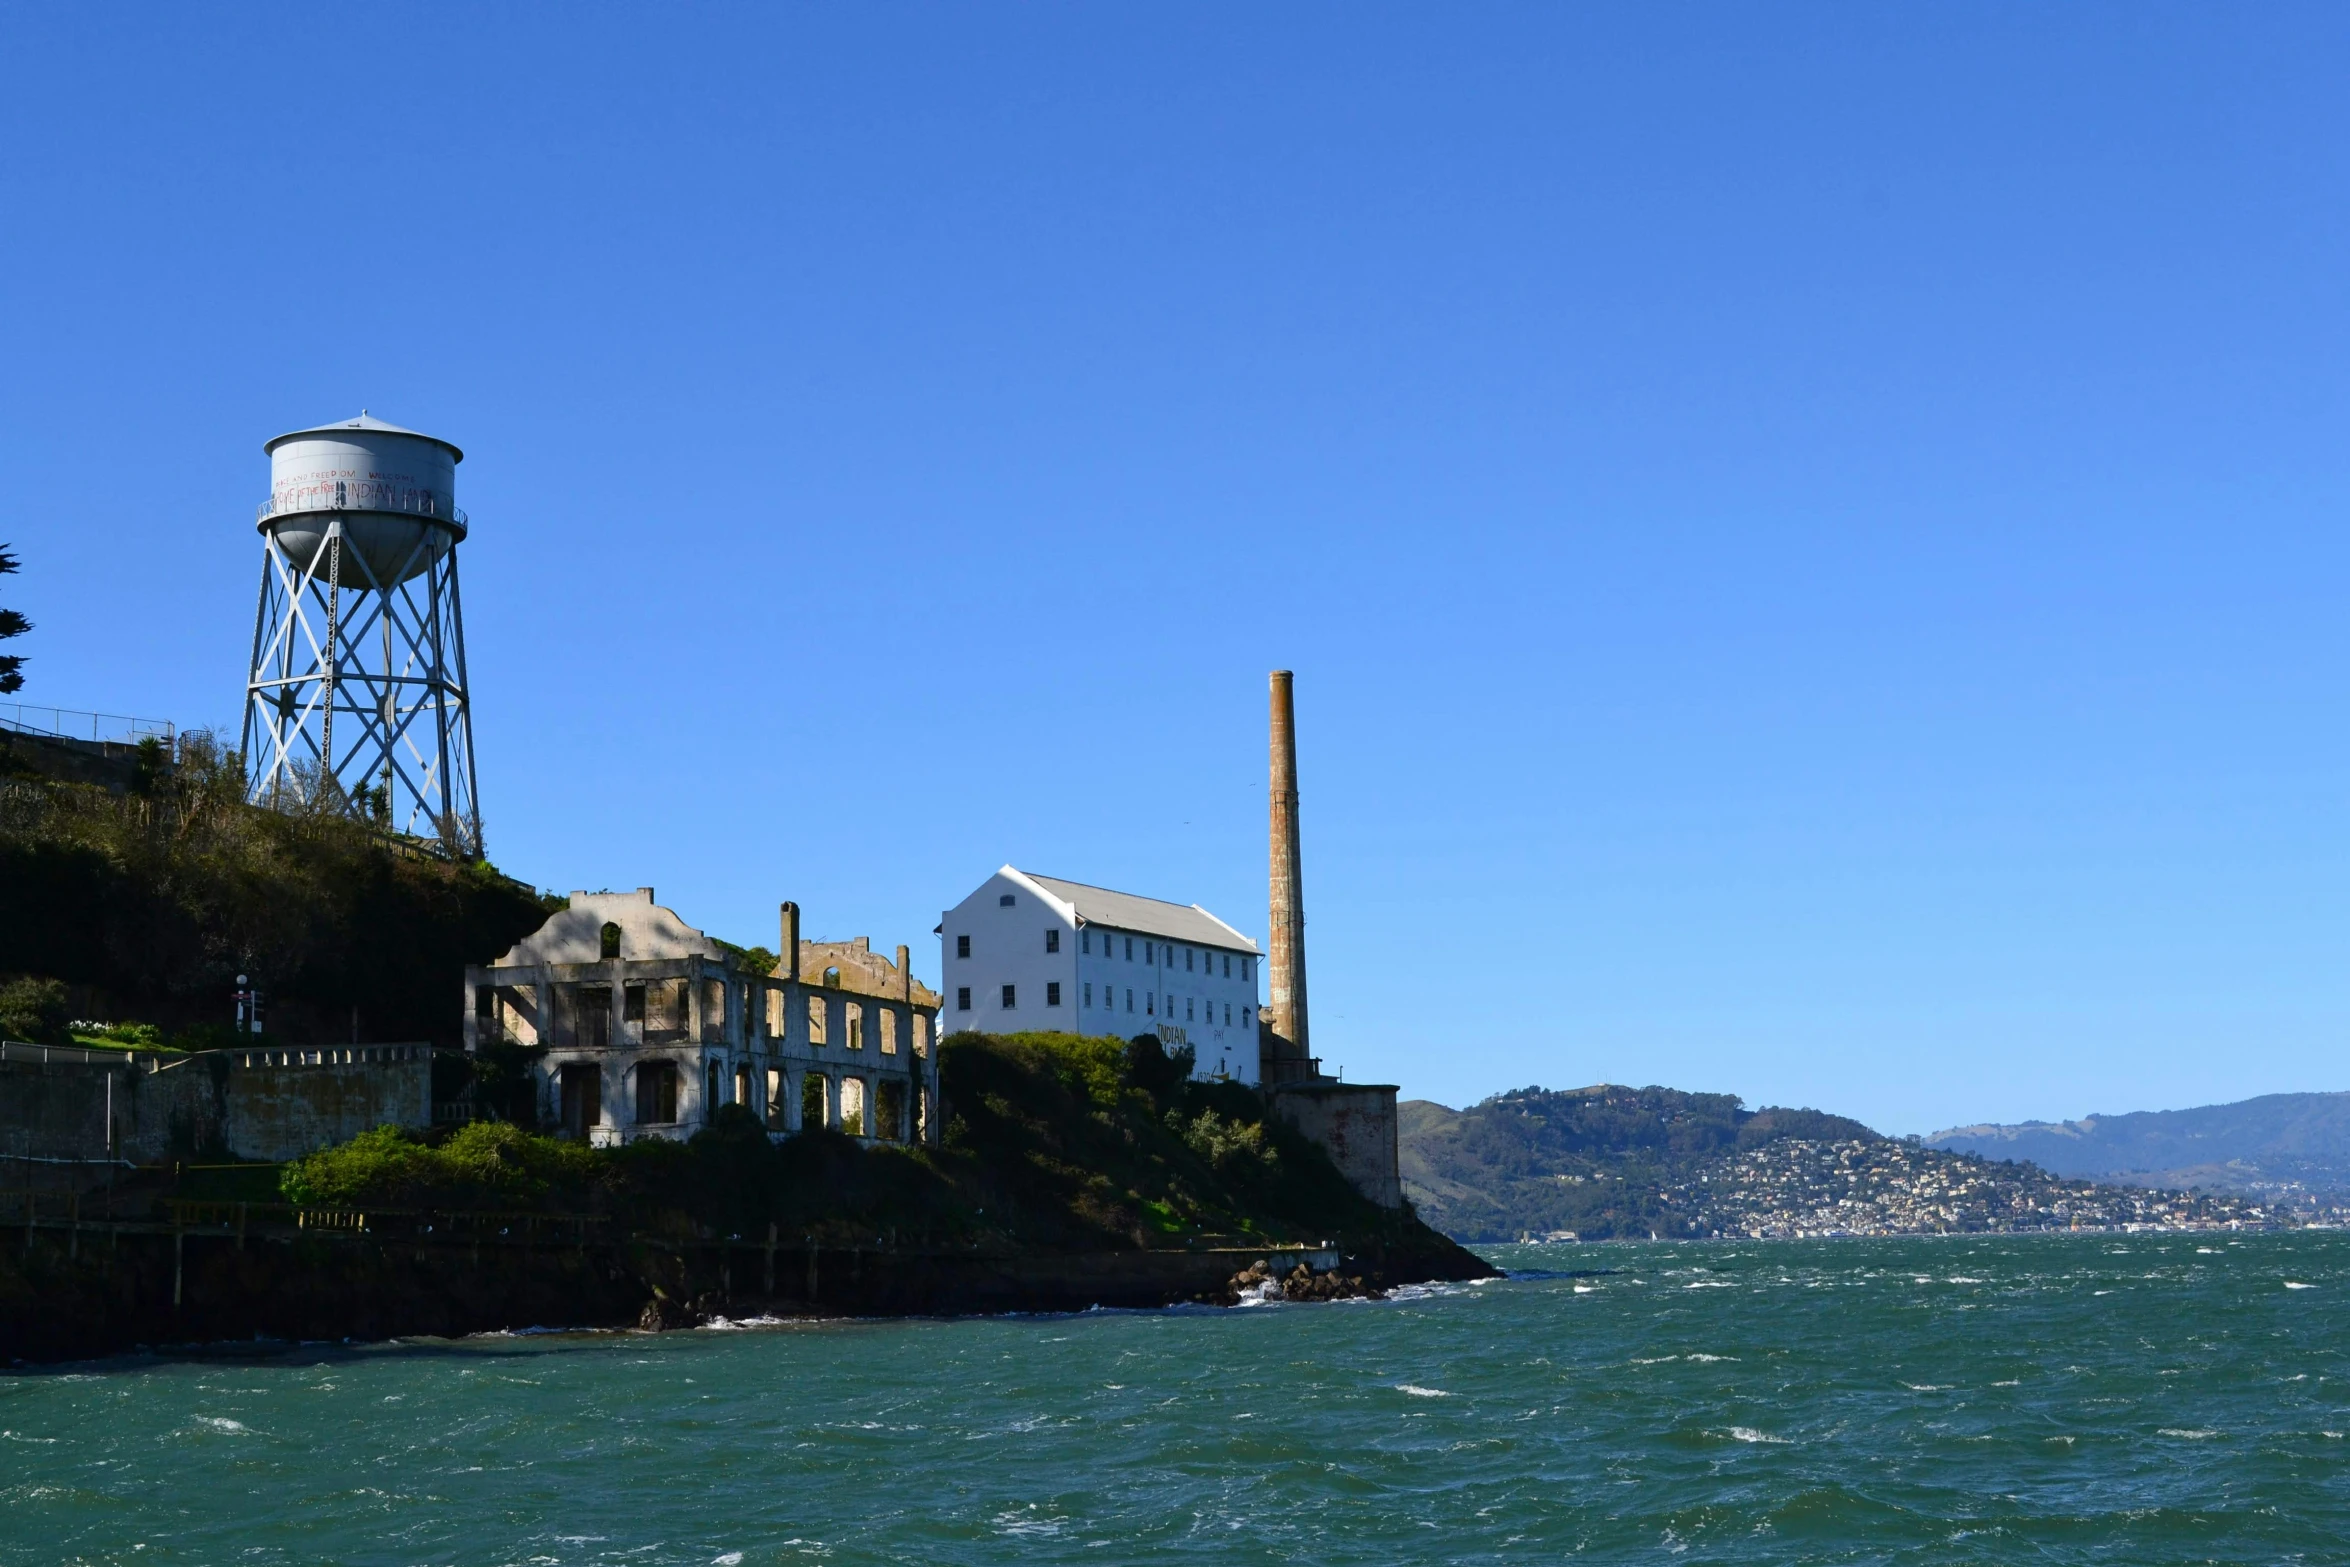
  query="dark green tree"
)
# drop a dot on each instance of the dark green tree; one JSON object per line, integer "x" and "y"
{"x": 12, "y": 624}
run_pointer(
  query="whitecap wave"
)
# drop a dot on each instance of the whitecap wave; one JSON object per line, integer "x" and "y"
{"x": 1421, "y": 1392}
{"x": 2186, "y": 1433}
{"x": 1750, "y": 1434}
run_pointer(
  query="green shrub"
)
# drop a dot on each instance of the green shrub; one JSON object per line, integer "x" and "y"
{"x": 33, "y": 1010}
{"x": 487, "y": 1164}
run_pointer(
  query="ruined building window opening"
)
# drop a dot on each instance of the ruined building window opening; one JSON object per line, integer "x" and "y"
{"x": 485, "y": 1002}
{"x": 609, "y": 946}
{"x": 819, "y": 1015}
{"x": 889, "y": 1110}
{"x": 832, "y": 979}
{"x": 775, "y": 1100}
{"x": 924, "y": 1114}
{"x": 582, "y": 1091}
{"x": 962, "y": 946}
{"x": 921, "y": 1035}
{"x": 590, "y": 1007}
{"x": 665, "y": 1011}
{"x": 813, "y": 1116}
{"x": 713, "y": 1009}
{"x": 852, "y": 1106}
{"x": 656, "y": 1093}
{"x": 1052, "y": 941}
{"x": 885, "y": 1021}
{"x": 742, "y": 1087}
{"x": 962, "y": 998}
{"x": 712, "y": 1078}
{"x": 856, "y": 1016}
{"x": 774, "y": 1013}
{"x": 1052, "y": 992}
{"x": 1010, "y": 997}
{"x": 632, "y": 1002}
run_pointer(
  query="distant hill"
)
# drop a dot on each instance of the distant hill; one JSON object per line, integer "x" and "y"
{"x": 1610, "y": 1162}
{"x": 1596, "y": 1161}
{"x": 2276, "y": 1145}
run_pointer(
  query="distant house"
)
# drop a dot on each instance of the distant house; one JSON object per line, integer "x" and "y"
{"x": 1036, "y": 952}
{"x": 645, "y": 1027}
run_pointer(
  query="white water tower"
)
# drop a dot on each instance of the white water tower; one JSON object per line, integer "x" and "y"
{"x": 357, "y": 696}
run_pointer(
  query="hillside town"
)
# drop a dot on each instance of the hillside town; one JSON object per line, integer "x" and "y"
{"x": 1800, "y": 1189}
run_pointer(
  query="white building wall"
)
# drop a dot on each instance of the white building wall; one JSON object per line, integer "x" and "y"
{"x": 1008, "y": 947}
{"x": 1113, "y": 981}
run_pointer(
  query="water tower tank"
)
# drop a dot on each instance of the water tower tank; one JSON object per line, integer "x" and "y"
{"x": 393, "y": 490}
{"x": 357, "y": 701}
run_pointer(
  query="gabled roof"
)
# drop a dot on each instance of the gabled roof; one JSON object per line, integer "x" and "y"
{"x": 1144, "y": 916}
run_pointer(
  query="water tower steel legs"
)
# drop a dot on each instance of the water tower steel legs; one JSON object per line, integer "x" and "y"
{"x": 301, "y": 682}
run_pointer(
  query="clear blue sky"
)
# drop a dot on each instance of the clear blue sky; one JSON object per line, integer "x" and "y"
{"x": 1811, "y": 537}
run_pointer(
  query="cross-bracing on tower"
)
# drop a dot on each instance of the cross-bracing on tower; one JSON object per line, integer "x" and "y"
{"x": 357, "y": 696}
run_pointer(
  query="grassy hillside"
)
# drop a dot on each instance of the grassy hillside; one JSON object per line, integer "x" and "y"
{"x": 1054, "y": 1142}
{"x": 149, "y": 903}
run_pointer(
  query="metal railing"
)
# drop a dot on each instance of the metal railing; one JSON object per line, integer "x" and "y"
{"x": 68, "y": 724}
{"x": 359, "y": 495}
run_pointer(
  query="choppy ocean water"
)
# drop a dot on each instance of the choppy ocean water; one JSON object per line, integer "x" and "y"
{"x": 2128, "y": 1399}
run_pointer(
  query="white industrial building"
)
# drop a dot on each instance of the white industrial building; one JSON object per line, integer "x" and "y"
{"x": 1028, "y": 952}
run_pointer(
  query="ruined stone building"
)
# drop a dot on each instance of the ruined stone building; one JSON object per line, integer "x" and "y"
{"x": 1027, "y": 952}
{"x": 645, "y": 1027}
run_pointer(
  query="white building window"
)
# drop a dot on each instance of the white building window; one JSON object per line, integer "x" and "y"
{"x": 962, "y": 946}
{"x": 1227, "y": 1014}
{"x": 1085, "y": 941}
{"x": 1052, "y": 941}
{"x": 1130, "y": 956}
{"x": 1129, "y": 1000}
{"x": 962, "y": 998}
{"x": 1009, "y": 1002}
{"x": 1188, "y": 955}
{"x": 1089, "y": 992}
{"x": 1004, "y": 902}
{"x": 1052, "y": 992}
{"x": 1150, "y": 1003}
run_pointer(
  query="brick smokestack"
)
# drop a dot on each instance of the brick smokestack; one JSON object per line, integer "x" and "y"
{"x": 1288, "y": 935}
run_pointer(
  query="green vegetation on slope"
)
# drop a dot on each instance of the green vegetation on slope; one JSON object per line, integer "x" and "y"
{"x": 158, "y": 898}
{"x": 1597, "y": 1161}
{"x": 1054, "y": 1142}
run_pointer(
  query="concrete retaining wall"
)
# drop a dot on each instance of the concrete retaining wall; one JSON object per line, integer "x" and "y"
{"x": 1356, "y": 1123}
{"x": 269, "y": 1105}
